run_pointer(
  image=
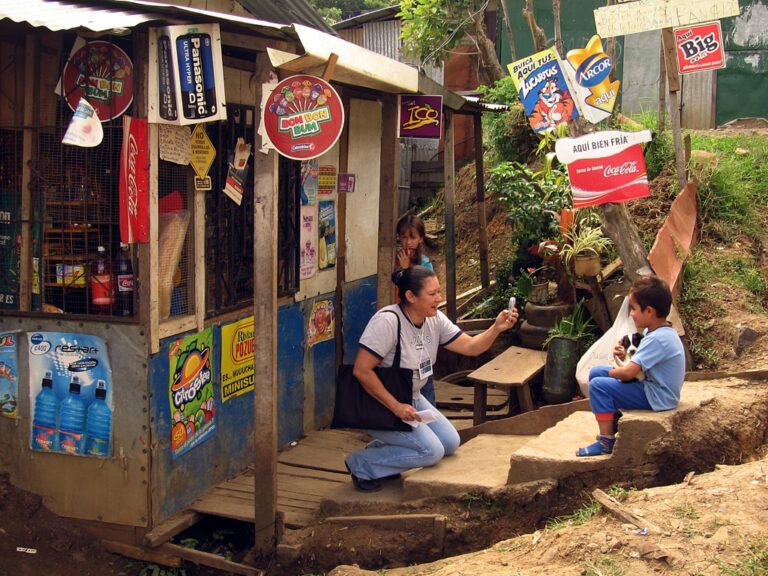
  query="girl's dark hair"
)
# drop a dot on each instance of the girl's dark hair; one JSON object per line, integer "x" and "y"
{"x": 413, "y": 221}
{"x": 654, "y": 292}
{"x": 412, "y": 279}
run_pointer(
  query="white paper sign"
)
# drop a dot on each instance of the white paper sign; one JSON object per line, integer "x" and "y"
{"x": 85, "y": 127}
{"x": 175, "y": 144}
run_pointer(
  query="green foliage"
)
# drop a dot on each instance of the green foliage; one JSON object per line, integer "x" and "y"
{"x": 506, "y": 135}
{"x": 754, "y": 562}
{"x": 604, "y": 566}
{"x": 730, "y": 199}
{"x": 533, "y": 200}
{"x": 333, "y": 11}
{"x": 577, "y": 325}
{"x": 155, "y": 570}
{"x": 430, "y": 28}
{"x": 659, "y": 152}
{"x": 583, "y": 239}
{"x": 619, "y": 493}
{"x": 579, "y": 517}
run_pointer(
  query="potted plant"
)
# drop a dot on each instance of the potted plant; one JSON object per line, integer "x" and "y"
{"x": 583, "y": 246}
{"x": 565, "y": 343}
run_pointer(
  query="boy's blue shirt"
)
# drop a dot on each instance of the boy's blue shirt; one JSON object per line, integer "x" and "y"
{"x": 662, "y": 358}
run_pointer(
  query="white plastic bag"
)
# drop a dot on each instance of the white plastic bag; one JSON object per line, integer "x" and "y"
{"x": 601, "y": 352}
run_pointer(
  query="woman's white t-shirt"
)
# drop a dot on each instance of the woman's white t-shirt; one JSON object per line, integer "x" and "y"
{"x": 417, "y": 344}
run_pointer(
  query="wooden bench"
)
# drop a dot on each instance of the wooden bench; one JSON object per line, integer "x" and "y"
{"x": 513, "y": 368}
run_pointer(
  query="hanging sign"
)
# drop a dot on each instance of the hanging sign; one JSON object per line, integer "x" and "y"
{"x": 420, "y": 116}
{"x": 84, "y": 128}
{"x": 699, "y": 48}
{"x": 134, "y": 181}
{"x": 188, "y": 75}
{"x": 589, "y": 69}
{"x": 100, "y": 72}
{"x": 645, "y": 15}
{"x": 543, "y": 90}
{"x": 202, "y": 157}
{"x": 605, "y": 166}
{"x": 304, "y": 117}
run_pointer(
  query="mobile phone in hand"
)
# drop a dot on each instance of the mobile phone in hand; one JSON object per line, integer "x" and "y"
{"x": 512, "y": 302}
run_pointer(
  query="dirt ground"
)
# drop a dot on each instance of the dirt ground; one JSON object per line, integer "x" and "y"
{"x": 715, "y": 523}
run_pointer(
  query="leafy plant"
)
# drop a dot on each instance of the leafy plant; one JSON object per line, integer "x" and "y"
{"x": 579, "y": 517}
{"x": 604, "y": 566}
{"x": 576, "y": 325}
{"x": 754, "y": 562}
{"x": 583, "y": 239}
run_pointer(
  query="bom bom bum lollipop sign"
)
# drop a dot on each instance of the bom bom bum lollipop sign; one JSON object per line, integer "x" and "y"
{"x": 303, "y": 117}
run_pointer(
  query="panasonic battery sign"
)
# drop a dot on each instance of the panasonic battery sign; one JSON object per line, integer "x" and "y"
{"x": 189, "y": 72}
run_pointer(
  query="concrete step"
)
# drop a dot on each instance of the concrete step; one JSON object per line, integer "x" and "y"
{"x": 481, "y": 464}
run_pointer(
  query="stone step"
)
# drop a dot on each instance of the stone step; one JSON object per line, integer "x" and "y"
{"x": 482, "y": 464}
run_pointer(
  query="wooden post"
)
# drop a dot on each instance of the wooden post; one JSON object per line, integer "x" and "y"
{"x": 341, "y": 238}
{"x": 265, "y": 322}
{"x": 620, "y": 228}
{"x": 661, "y": 121}
{"x": 482, "y": 224}
{"x": 558, "y": 29}
{"x": 673, "y": 84}
{"x": 31, "y": 78}
{"x": 450, "y": 217}
{"x": 388, "y": 199}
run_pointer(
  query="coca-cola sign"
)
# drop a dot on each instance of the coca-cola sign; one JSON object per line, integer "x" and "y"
{"x": 605, "y": 166}
{"x": 134, "y": 182}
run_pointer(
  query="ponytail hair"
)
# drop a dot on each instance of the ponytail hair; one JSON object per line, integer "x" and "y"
{"x": 412, "y": 279}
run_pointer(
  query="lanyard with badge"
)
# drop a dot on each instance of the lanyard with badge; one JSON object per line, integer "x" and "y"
{"x": 425, "y": 362}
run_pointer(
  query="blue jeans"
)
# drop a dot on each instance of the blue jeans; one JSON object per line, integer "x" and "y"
{"x": 428, "y": 391}
{"x": 392, "y": 452}
{"x": 608, "y": 395}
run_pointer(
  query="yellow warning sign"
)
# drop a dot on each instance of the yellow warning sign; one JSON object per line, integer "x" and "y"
{"x": 203, "y": 151}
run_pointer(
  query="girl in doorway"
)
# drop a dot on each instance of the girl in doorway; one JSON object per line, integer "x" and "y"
{"x": 411, "y": 237}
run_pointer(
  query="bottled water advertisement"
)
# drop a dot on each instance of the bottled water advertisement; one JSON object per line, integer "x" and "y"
{"x": 9, "y": 375}
{"x": 70, "y": 389}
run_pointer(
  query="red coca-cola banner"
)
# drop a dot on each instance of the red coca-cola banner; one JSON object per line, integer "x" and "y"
{"x": 134, "y": 181}
{"x": 605, "y": 167}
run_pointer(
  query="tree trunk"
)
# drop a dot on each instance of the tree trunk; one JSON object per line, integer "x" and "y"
{"x": 620, "y": 228}
{"x": 508, "y": 25}
{"x": 540, "y": 41}
{"x": 489, "y": 67}
{"x": 558, "y": 30}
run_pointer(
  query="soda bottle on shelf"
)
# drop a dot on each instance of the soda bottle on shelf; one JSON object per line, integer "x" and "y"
{"x": 102, "y": 289}
{"x": 72, "y": 420}
{"x": 98, "y": 423}
{"x": 44, "y": 420}
{"x": 125, "y": 281}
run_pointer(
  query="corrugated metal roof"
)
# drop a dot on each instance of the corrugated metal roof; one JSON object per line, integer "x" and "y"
{"x": 114, "y": 14}
{"x": 379, "y": 14}
{"x": 287, "y": 12}
{"x": 63, "y": 15}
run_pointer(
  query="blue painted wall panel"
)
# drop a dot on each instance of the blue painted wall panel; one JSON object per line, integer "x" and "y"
{"x": 290, "y": 373}
{"x": 175, "y": 483}
{"x": 359, "y": 307}
{"x": 324, "y": 369}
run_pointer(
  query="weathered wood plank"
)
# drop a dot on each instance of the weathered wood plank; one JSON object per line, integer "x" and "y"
{"x": 143, "y": 554}
{"x": 303, "y": 472}
{"x": 210, "y": 560}
{"x": 513, "y": 367}
{"x": 168, "y": 529}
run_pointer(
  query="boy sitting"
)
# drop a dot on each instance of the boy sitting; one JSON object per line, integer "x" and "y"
{"x": 660, "y": 356}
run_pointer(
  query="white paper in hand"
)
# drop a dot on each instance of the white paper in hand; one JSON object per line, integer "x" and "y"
{"x": 427, "y": 416}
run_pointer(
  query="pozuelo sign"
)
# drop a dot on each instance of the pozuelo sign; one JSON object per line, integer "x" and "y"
{"x": 303, "y": 117}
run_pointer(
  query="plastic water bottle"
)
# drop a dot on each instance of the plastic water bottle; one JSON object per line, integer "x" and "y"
{"x": 98, "y": 423}
{"x": 72, "y": 420}
{"x": 44, "y": 421}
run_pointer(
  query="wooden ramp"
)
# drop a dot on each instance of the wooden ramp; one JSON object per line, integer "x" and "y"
{"x": 306, "y": 473}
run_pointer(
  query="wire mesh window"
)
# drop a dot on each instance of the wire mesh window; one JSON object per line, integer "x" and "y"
{"x": 229, "y": 226}
{"x": 10, "y": 217}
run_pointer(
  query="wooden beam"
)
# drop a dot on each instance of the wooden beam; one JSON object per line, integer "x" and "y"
{"x": 450, "y": 215}
{"x": 265, "y": 317}
{"x": 388, "y": 199}
{"x": 341, "y": 235}
{"x": 143, "y": 554}
{"x": 253, "y": 42}
{"x": 199, "y": 271}
{"x": 168, "y": 529}
{"x": 31, "y": 77}
{"x": 329, "y": 67}
{"x": 210, "y": 560}
{"x": 614, "y": 507}
{"x": 673, "y": 84}
{"x": 482, "y": 224}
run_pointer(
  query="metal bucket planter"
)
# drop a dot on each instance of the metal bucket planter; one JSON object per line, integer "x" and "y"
{"x": 560, "y": 383}
{"x": 586, "y": 265}
{"x": 539, "y": 293}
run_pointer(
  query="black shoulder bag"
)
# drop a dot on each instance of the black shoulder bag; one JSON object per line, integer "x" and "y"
{"x": 356, "y": 408}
